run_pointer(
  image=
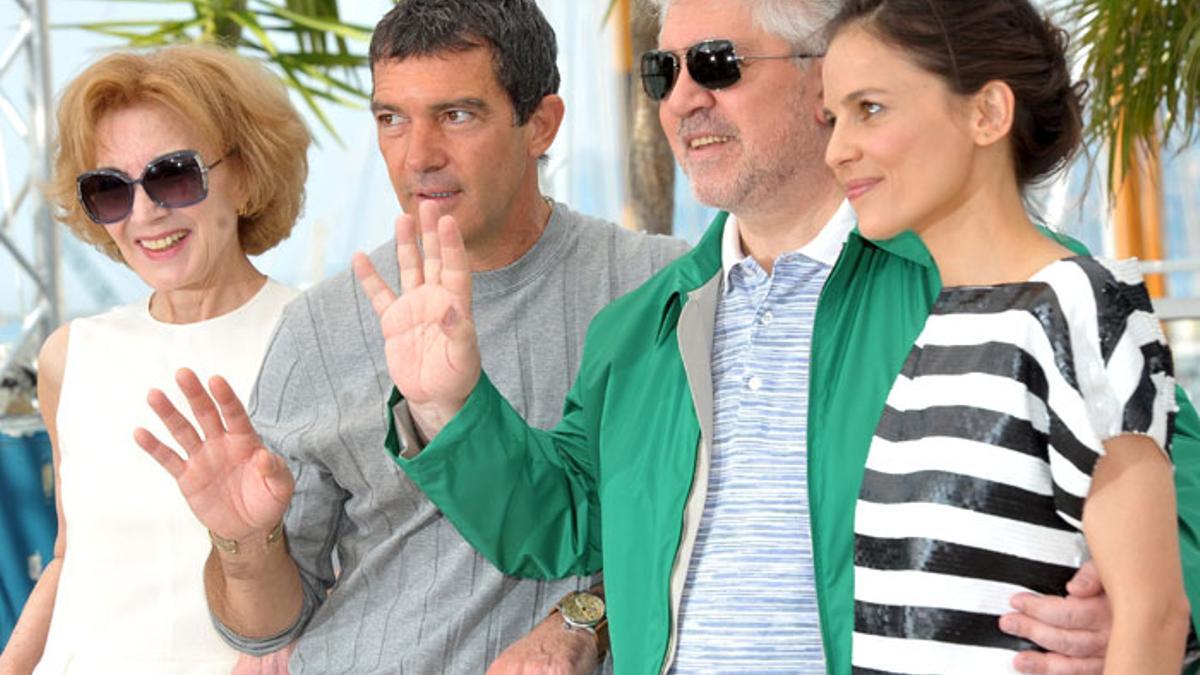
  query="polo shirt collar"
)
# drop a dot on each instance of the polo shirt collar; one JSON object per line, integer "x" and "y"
{"x": 824, "y": 248}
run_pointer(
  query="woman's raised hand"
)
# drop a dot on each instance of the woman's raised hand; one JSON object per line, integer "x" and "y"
{"x": 237, "y": 488}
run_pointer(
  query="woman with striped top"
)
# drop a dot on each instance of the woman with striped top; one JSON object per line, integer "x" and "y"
{"x": 1027, "y": 431}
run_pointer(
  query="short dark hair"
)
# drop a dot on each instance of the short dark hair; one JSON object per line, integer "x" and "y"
{"x": 968, "y": 44}
{"x": 523, "y": 46}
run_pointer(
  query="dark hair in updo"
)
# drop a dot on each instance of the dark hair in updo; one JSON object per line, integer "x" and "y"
{"x": 969, "y": 43}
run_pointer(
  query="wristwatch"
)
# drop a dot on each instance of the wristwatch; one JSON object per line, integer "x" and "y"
{"x": 581, "y": 610}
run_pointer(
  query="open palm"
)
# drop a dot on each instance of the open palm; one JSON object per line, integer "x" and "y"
{"x": 234, "y": 486}
{"x": 430, "y": 343}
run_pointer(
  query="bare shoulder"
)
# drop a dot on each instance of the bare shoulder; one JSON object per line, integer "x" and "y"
{"x": 53, "y": 355}
{"x": 51, "y": 363}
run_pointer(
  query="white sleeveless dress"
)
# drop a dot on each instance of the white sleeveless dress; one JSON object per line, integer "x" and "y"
{"x": 131, "y": 592}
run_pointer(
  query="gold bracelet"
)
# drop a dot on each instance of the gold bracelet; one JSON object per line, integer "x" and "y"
{"x": 230, "y": 546}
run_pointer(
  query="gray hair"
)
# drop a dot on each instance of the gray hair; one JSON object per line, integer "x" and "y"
{"x": 800, "y": 22}
{"x": 524, "y": 50}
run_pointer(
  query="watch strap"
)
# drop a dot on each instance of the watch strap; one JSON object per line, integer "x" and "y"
{"x": 603, "y": 643}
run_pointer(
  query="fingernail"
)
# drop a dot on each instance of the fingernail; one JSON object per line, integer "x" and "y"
{"x": 450, "y": 319}
{"x": 1008, "y": 624}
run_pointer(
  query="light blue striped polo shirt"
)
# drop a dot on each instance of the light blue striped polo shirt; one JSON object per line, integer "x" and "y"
{"x": 749, "y": 602}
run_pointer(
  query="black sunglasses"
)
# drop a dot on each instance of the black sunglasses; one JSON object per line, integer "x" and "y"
{"x": 713, "y": 64}
{"x": 174, "y": 180}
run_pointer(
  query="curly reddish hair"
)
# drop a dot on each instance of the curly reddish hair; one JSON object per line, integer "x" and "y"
{"x": 233, "y": 103}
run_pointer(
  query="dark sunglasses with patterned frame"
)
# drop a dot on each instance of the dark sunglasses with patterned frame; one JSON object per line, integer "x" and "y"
{"x": 174, "y": 180}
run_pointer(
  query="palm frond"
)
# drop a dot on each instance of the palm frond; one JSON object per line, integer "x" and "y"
{"x": 323, "y": 25}
{"x": 1142, "y": 61}
{"x": 304, "y": 40}
{"x": 609, "y": 11}
{"x": 148, "y": 2}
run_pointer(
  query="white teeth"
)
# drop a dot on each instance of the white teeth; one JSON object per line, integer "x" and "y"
{"x": 707, "y": 140}
{"x": 164, "y": 243}
{"x": 440, "y": 195}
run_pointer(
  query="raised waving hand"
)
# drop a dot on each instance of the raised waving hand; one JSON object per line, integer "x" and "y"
{"x": 430, "y": 343}
{"x": 236, "y": 488}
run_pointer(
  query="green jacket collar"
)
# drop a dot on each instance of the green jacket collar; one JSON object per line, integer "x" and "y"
{"x": 690, "y": 272}
{"x": 906, "y": 245}
{"x": 698, "y": 266}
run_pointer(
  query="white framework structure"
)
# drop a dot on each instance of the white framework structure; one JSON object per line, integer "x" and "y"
{"x": 1174, "y": 309}
{"x": 29, "y": 48}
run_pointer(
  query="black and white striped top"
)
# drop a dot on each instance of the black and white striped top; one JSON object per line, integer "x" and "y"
{"x": 978, "y": 471}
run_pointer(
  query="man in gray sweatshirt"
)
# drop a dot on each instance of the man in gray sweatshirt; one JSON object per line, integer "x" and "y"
{"x": 465, "y": 104}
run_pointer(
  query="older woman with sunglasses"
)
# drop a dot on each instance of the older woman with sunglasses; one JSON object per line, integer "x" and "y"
{"x": 179, "y": 164}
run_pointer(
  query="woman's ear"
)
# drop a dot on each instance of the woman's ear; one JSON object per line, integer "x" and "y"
{"x": 993, "y": 108}
{"x": 238, "y": 187}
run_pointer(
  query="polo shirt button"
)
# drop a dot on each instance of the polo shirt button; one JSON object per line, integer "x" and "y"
{"x": 755, "y": 383}
{"x": 767, "y": 318}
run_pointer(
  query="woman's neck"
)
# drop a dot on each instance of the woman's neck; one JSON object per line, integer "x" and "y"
{"x": 987, "y": 238}
{"x": 231, "y": 289}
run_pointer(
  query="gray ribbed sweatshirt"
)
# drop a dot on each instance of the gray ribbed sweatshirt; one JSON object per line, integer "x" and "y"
{"x": 413, "y": 597}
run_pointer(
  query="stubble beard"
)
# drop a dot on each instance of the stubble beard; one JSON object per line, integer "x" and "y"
{"x": 762, "y": 169}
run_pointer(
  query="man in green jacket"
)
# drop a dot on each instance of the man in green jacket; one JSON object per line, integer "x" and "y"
{"x": 636, "y": 461}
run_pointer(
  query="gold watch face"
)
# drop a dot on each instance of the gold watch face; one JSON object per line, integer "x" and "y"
{"x": 582, "y": 609}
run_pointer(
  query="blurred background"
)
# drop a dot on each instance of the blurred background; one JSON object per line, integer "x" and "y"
{"x": 605, "y": 161}
{"x": 350, "y": 205}
{"x": 1132, "y": 194}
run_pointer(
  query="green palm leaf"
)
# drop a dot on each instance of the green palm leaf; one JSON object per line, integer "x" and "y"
{"x": 304, "y": 40}
{"x": 322, "y": 25}
{"x": 1142, "y": 59}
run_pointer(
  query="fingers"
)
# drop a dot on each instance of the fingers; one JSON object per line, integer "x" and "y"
{"x": 275, "y": 474}
{"x": 408, "y": 256}
{"x": 456, "y": 267}
{"x": 202, "y": 406}
{"x": 441, "y": 249}
{"x": 1086, "y": 582}
{"x": 1067, "y": 642}
{"x": 236, "y": 419}
{"x": 247, "y": 665}
{"x": 1090, "y": 614}
{"x": 163, "y": 454}
{"x": 430, "y": 243}
{"x": 281, "y": 658}
{"x": 373, "y": 285}
{"x": 178, "y": 425}
{"x": 1056, "y": 664}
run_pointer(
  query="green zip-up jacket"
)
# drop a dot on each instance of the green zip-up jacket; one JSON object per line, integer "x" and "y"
{"x": 628, "y": 464}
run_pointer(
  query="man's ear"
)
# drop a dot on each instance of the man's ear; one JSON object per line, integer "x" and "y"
{"x": 817, "y": 86}
{"x": 992, "y": 110}
{"x": 544, "y": 124}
